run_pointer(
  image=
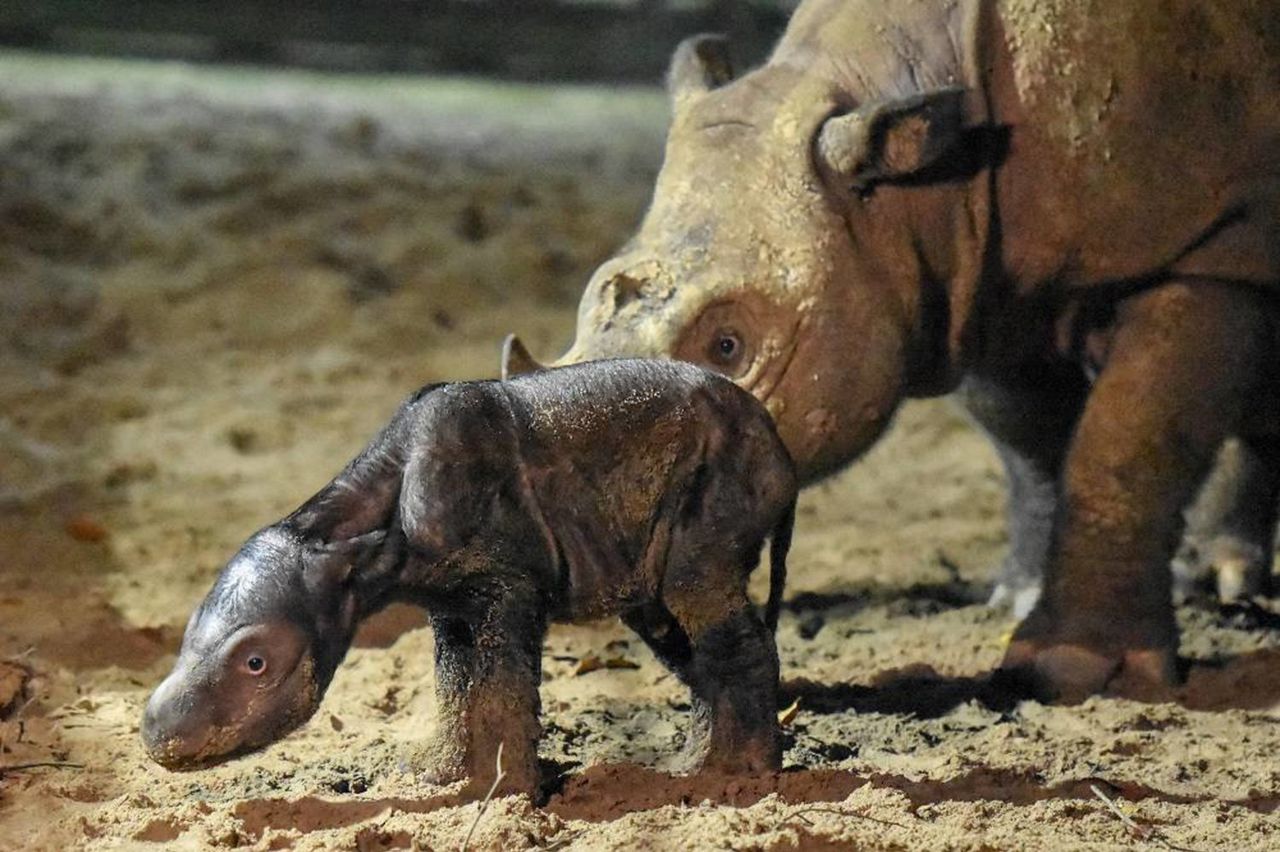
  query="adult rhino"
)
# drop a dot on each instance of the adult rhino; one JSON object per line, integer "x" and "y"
{"x": 1068, "y": 210}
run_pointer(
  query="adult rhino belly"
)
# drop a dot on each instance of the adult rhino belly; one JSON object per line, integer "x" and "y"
{"x": 1144, "y": 138}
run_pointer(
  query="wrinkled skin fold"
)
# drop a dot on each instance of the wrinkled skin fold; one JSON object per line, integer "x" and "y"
{"x": 643, "y": 489}
{"x": 1066, "y": 211}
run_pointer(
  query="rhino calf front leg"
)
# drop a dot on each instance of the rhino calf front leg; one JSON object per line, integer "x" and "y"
{"x": 1231, "y": 526}
{"x": 444, "y": 759}
{"x": 1173, "y": 385}
{"x": 487, "y": 676}
{"x": 1030, "y": 424}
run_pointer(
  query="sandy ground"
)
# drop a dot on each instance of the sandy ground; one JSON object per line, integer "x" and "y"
{"x": 217, "y": 285}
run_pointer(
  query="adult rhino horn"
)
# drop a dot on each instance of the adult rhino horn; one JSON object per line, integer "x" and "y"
{"x": 700, "y": 64}
{"x": 890, "y": 140}
{"x": 516, "y": 360}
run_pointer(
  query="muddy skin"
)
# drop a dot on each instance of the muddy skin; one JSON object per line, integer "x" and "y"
{"x": 1001, "y": 198}
{"x": 631, "y": 488}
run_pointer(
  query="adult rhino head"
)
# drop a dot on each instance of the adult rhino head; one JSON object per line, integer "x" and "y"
{"x": 799, "y": 239}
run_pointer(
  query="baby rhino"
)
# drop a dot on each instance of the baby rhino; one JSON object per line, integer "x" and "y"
{"x": 639, "y": 488}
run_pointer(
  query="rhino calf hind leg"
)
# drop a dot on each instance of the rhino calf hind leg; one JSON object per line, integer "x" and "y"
{"x": 733, "y": 677}
{"x": 1029, "y": 422}
{"x": 1180, "y": 368}
{"x": 1231, "y": 526}
{"x": 732, "y": 666}
{"x": 488, "y": 669}
{"x": 659, "y": 629}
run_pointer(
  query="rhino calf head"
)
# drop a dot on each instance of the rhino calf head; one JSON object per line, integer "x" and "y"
{"x": 257, "y": 654}
{"x": 767, "y": 256}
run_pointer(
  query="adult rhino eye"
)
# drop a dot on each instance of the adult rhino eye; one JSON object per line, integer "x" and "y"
{"x": 726, "y": 348}
{"x": 255, "y": 665}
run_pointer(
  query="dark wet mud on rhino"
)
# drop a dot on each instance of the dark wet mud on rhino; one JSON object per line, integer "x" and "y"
{"x": 248, "y": 274}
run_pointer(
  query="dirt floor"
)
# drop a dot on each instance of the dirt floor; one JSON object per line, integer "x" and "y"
{"x": 214, "y": 286}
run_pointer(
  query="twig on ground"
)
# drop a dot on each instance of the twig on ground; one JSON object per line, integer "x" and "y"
{"x": 484, "y": 804}
{"x": 1142, "y": 832}
{"x": 1139, "y": 831}
{"x": 557, "y": 842}
{"x": 799, "y": 814}
{"x": 40, "y": 764}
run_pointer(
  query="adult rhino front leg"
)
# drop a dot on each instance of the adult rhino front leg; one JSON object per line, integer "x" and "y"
{"x": 1029, "y": 419}
{"x": 1181, "y": 364}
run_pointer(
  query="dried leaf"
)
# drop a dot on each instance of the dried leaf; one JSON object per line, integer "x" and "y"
{"x": 587, "y": 664}
{"x": 85, "y": 528}
{"x": 787, "y": 716}
{"x": 620, "y": 663}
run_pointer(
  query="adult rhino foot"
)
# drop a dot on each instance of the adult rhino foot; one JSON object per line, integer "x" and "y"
{"x": 1068, "y": 673}
{"x": 1239, "y": 568}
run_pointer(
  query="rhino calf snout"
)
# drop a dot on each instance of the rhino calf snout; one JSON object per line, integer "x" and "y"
{"x": 162, "y": 730}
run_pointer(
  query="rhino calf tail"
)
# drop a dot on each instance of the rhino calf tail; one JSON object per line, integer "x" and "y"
{"x": 778, "y": 548}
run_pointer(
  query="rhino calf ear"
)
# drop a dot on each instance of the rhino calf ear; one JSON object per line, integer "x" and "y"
{"x": 891, "y": 140}
{"x": 331, "y": 563}
{"x": 700, "y": 64}
{"x": 516, "y": 360}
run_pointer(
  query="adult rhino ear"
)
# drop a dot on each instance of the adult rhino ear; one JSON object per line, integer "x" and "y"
{"x": 891, "y": 140}
{"x": 700, "y": 64}
{"x": 516, "y": 360}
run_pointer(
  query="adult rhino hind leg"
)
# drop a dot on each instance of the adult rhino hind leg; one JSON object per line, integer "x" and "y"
{"x": 1029, "y": 420}
{"x": 1231, "y": 525}
{"x": 1183, "y": 359}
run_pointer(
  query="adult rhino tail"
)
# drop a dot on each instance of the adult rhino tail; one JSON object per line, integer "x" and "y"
{"x": 778, "y": 549}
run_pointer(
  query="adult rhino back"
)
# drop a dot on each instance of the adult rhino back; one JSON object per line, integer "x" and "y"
{"x": 1068, "y": 209}
{"x": 1145, "y": 138}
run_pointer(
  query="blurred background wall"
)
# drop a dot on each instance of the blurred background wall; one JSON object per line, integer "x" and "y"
{"x": 234, "y": 234}
{"x": 536, "y": 40}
